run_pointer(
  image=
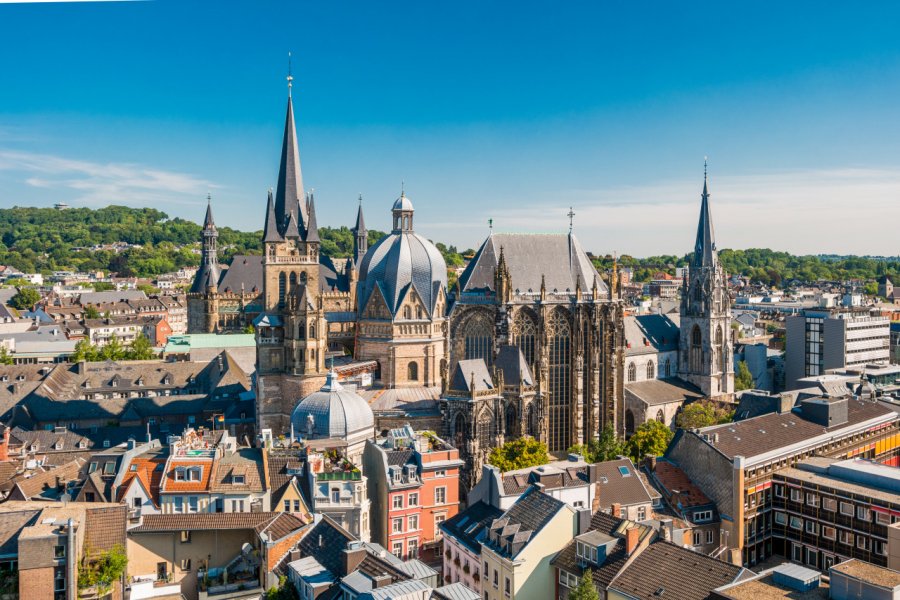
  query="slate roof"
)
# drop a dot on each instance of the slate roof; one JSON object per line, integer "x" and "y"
{"x": 468, "y": 370}
{"x": 244, "y": 274}
{"x": 11, "y": 523}
{"x": 645, "y": 334}
{"x": 522, "y": 522}
{"x": 454, "y": 591}
{"x": 654, "y": 392}
{"x": 559, "y": 258}
{"x": 745, "y": 438}
{"x": 615, "y": 487}
{"x": 47, "y": 440}
{"x": 551, "y": 476}
{"x": 279, "y": 478}
{"x": 327, "y": 541}
{"x": 469, "y": 526}
{"x": 664, "y": 570}
{"x": 512, "y": 363}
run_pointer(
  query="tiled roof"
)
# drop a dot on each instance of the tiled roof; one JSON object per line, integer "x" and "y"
{"x": 149, "y": 471}
{"x": 774, "y": 431}
{"x": 654, "y": 392}
{"x": 259, "y": 522}
{"x": 649, "y": 334}
{"x": 664, "y": 570}
{"x": 618, "y": 482}
{"x": 48, "y": 440}
{"x": 44, "y": 484}
{"x": 11, "y": 523}
{"x": 552, "y": 477}
{"x": 246, "y": 462}
{"x": 326, "y": 542}
{"x": 105, "y": 528}
{"x": 169, "y": 484}
{"x": 678, "y": 488}
{"x": 468, "y": 526}
{"x": 279, "y": 477}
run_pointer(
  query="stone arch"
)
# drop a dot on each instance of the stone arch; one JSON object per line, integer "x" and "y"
{"x": 629, "y": 422}
{"x": 476, "y": 334}
{"x": 412, "y": 371}
{"x": 524, "y": 333}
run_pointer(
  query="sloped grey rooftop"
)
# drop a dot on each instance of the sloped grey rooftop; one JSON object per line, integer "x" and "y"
{"x": 471, "y": 371}
{"x": 645, "y": 334}
{"x": 335, "y": 412}
{"x": 515, "y": 368}
{"x": 558, "y": 257}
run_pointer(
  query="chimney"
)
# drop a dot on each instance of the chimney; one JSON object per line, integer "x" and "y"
{"x": 353, "y": 556}
{"x": 593, "y": 473}
{"x": 632, "y": 536}
{"x": 617, "y": 510}
{"x": 650, "y": 461}
{"x": 149, "y": 439}
{"x": 379, "y": 581}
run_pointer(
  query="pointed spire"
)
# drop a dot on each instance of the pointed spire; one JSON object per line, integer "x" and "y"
{"x": 289, "y": 192}
{"x": 270, "y": 232}
{"x": 291, "y": 230}
{"x": 360, "y": 221}
{"x": 208, "y": 222}
{"x": 312, "y": 228}
{"x": 705, "y": 245}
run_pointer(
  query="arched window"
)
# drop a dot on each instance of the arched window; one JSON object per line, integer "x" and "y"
{"x": 719, "y": 336}
{"x": 412, "y": 371}
{"x": 511, "y": 428}
{"x": 629, "y": 422}
{"x": 282, "y": 284}
{"x": 668, "y": 366}
{"x": 524, "y": 334}
{"x": 301, "y": 331}
{"x": 460, "y": 433}
{"x": 478, "y": 337}
{"x": 651, "y": 370}
{"x": 312, "y": 331}
{"x": 529, "y": 420}
{"x": 660, "y": 416}
{"x": 696, "y": 357}
{"x": 293, "y": 281}
{"x": 486, "y": 429}
{"x": 559, "y": 339}
{"x": 303, "y": 278}
{"x": 420, "y": 313}
{"x": 407, "y": 313}
{"x": 632, "y": 372}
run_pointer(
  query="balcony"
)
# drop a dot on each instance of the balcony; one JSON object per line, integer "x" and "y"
{"x": 148, "y": 586}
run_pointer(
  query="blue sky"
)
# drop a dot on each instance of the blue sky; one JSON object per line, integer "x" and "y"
{"x": 510, "y": 111}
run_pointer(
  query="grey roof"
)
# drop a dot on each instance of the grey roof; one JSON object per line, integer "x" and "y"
{"x": 469, "y": 526}
{"x": 402, "y": 203}
{"x": 455, "y": 591}
{"x": 654, "y": 392}
{"x": 619, "y": 483}
{"x": 291, "y": 230}
{"x": 110, "y": 296}
{"x": 244, "y": 274}
{"x": 208, "y": 222}
{"x": 647, "y": 334}
{"x": 207, "y": 275}
{"x": 270, "y": 230}
{"x": 312, "y": 227}
{"x": 289, "y": 192}
{"x": 399, "y": 262}
{"x": 336, "y": 412}
{"x": 705, "y": 246}
{"x": 401, "y": 589}
{"x": 470, "y": 370}
{"x": 559, "y": 258}
{"x": 512, "y": 363}
{"x": 360, "y": 221}
{"x": 513, "y": 531}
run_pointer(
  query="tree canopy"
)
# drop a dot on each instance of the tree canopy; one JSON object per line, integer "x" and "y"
{"x": 25, "y": 298}
{"x": 585, "y": 590}
{"x": 139, "y": 349}
{"x": 606, "y": 447}
{"x": 743, "y": 379}
{"x": 702, "y": 413}
{"x": 519, "y": 454}
{"x": 651, "y": 438}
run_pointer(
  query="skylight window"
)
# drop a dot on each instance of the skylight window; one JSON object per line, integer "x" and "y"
{"x": 624, "y": 472}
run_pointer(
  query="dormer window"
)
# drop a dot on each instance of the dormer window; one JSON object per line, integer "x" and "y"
{"x": 180, "y": 474}
{"x": 58, "y": 445}
{"x": 92, "y": 467}
{"x": 106, "y": 443}
{"x": 82, "y": 444}
{"x": 195, "y": 473}
{"x": 237, "y": 479}
{"x": 586, "y": 552}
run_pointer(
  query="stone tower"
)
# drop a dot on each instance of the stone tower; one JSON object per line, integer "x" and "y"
{"x": 705, "y": 350}
{"x": 206, "y": 280}
{"x": 360, "y": 236}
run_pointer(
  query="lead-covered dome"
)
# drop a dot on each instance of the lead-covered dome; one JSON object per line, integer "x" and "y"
{"x": 332, "y": 412}
{"x": 400, "y": 262}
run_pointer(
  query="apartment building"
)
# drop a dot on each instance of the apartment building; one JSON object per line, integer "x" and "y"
{"x": 734, "y": 464}
{"x": 818, "y": 340}
{"x": 337, "y": 489}
{"x": 462, "y": 537}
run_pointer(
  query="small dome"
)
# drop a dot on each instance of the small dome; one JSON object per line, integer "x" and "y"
{"x": 332, "y": 412}
{"x": 403, "y": 203}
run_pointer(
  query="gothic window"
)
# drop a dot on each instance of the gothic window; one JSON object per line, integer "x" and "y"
{"x": 485, "y": 430}
{"x": 696, "y": 358}
{"x": 559, "y": 339}
{"x": 419, "y": 313}
{"x": 511, "y": 421}
{"x": 478, "y": 338}
{"x": 281, "y": 290}
{"x": 293, "y": 281}
{"x": 697, "y": 293}
{"x": 303, "y": 278}
{"x": 660, "y": 416}
{"x": 651, "y": 370}
{"x": 459, "y": 430}
{"x": 632, "y": 372}
{"x": 719, "y": 336}
{"x": 312, "y": 331}
{"x": 629, "y": 422}
{"x": 301, "y": 331}
{"x": 668, "y": 367}
{"x": 407, "y": 313}
{"x": 524, "y": 334}
{"x": 529, "y": 420}
{"x": 412, "y": 371}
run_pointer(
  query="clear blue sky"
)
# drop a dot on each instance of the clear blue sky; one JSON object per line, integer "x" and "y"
{"x": 512, "y": 111}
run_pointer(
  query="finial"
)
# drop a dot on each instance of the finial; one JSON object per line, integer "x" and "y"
{"x": 705, "y": 159}
{"x": 402, "y": 189}
{"x": 208, "y": 198}
{"x": 491, "y": 224}
{"x": 360, "y": 199}
{"x": 290, "y": 77}
{"x": 571, "y": 216}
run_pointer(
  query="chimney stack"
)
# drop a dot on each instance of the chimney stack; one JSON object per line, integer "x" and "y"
{"x": 617, "y": 510}
{"x": 632, "y": 536}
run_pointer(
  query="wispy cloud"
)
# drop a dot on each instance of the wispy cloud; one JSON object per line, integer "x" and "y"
{"x": 845, "y": 210}
{"x": 99, "y": 184}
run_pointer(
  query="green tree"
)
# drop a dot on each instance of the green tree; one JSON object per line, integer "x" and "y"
{"x": 606, "y": 447}
{"x": 743, "y": 379}
{"x": 519, "y": 454}
{"x": 140, "y": 349}
{"x": 103, "y": 286}
{"x": 85, "y": 351}
{"x": 101, "y": 571}
{"x": 25, "y": 298}
{"x": 91, "y": 312}
{"x": 5, "y": 356}
{"x": 702, "y": 413}
{"x": 284, "y": 591}
{"x": 249, "y": 328}
{"x": 113, "y": 349}
{"x": 585, "y": 590}
{"x": 650, "y": 439}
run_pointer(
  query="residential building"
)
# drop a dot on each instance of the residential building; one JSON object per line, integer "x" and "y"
{"x": 462, "y": 536}
{"x": 827, "y": 511}
{"x": 126, "y": 328}
{"x": 516, "y": 553}
{"x": 621, "y": 490}
{"x": 568, "y": 480}
{"x": 734, "y": 463}
{"x": 337, "y": 489}
{"x": 819, "y": 340}
{"x": 895, "y": 342}
{"x": 413, "y": 480}
{"x": 286, "y": 475}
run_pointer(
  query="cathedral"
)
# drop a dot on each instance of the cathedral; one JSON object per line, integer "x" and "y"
{"x": 531, "y": 340}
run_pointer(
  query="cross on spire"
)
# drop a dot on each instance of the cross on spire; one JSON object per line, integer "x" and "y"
{"x": 290, "y": 77}
{"x": 491, "y": 224}
{"x": 571, "y": 215}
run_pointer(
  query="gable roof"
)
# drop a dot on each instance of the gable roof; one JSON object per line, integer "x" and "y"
{"x": 468, "y": 527}
{"x": 509, "y": 534}
{"x": 645, "y": 334}
{"x": 618, "y": 482}
{"x": 326, "y": 542}
{"x": 469, "y": 371}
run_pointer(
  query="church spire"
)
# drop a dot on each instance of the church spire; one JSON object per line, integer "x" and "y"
{"x": 208, "y": 222}
{"x": 289, "y": 193}
{"x": 270, "y": 233}
{"x": 312, "y": 228}
{"x": 207, "y": 276}
{"x": 360, "y": 234}
{"x": 705, "y": 246}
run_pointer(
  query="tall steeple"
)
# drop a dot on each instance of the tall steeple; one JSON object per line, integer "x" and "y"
{"x": 289, "y": 196}
{"x": 705, "y": 246}
{"x": 360, "y": 234}
{"x": 312, "y": 228}
{"x": 270, "y": 233}
{"x": 208, "y": 274}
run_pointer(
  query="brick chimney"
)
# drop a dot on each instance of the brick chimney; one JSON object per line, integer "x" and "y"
{"x": 632, "y": 536}
{"x": 4, "y": 444}
{"x": 617, "y": 510}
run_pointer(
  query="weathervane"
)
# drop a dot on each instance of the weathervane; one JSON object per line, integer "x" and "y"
{"x": 571, "y": 216}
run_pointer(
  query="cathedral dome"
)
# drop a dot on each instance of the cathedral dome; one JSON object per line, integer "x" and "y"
{"x": 400, "y": 262}
{"x": 332, "y": 412}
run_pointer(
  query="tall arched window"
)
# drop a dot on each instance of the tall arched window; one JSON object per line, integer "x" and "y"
{"x": 668, "y": 370}
{"x": 460, "y": 431}
{"x": 632, "y": 372}
{"x": 651, "y": 370}
{"x": 524, "y": 334}
{"x": 512, "y": 422}
{"x": 312, "y": 331}
{"x": 303, "y": 278}
{"x": 293, "y": 281}
{"x": 412, "y": 371}
{"x": 629, "y": 422}
{"x": 696, "y": 358}
{"x": 660, "y": 416}
{"x": 559, "y": 337}
{"x": 282, "y": 284}
{"x": 407, "y": 313}
{"x": 301, "y": 331}
{"x": 420, "y": 314}
{"x": 485, "y": 432}
{"x": 529, "y": 420}
{"x": 478, "y": 337}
